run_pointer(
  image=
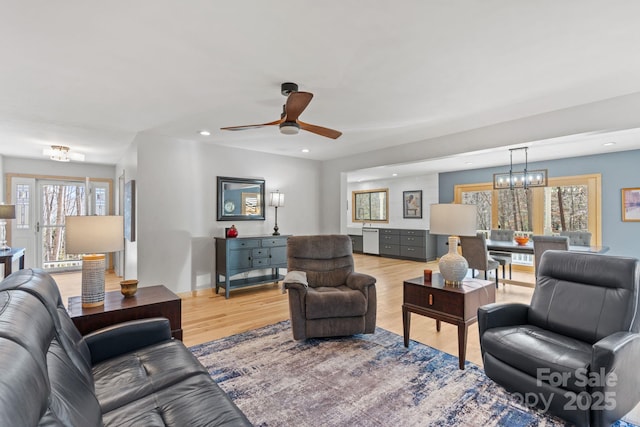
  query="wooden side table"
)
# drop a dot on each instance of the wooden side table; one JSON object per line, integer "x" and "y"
{"x": 457, "y": 305}
{"x": 7, "y": 257}
{"x": 151, "y": 301}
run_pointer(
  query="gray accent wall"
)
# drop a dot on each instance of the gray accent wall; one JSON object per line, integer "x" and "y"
{"x": 619, "y": 170}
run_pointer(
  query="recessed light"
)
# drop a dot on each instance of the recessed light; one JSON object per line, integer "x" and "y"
{"x": 395, "y": 174}
{"x": 305, "y": 150}
{"x": 606, "y": 144}
{"x": 205, "y": 133}
{"x": 468, "y": 163}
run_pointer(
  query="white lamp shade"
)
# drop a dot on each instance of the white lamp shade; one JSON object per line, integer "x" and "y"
{"x": 94, "y": 234}
{"x": 453, "y": 219}
{"x": 276, "y": 199}
{"x": 7, "y": 211}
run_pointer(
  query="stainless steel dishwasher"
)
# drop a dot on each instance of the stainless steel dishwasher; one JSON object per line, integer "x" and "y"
{"x": 370, "y": 241}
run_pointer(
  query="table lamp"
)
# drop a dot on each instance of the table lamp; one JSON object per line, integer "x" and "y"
{"x": 6, "y": 212}
{"x": 277, "y": 201}
{"x": 453, "y": 220}
{"x": 93, "y": 236}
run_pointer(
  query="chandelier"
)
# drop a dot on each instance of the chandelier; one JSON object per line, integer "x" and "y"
{"x": 520, "y": 179}
{"x": 61, "y": 153}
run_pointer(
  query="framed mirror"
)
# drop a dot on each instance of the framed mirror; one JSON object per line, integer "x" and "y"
{"x": 240, "y": 199}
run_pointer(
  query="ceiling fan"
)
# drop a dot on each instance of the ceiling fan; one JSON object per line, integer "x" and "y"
{"x": 291, "y": 110}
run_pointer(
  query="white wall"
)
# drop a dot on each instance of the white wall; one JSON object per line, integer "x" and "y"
{"x": 128, "y": 166}
{"x": 427, "y": 183}
{"x": 49, "y": 167}
{"x": 176, "y": 183}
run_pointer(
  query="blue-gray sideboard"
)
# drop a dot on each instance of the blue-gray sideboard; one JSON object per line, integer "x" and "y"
{"x": 244, "y": 254}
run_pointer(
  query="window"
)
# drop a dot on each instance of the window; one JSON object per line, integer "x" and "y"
{"x": 370, "y": 205}
{"x": 567, "y": 204}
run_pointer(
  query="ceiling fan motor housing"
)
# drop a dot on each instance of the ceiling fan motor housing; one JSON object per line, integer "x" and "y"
{"x": 287, "y": 88}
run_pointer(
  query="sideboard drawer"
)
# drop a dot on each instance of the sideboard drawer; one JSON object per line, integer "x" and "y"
{"x": 244, "y": 243}
{"x": 260, "y": 262}
{"x": 260, "y": 253}
{"x": 276, "y": 241}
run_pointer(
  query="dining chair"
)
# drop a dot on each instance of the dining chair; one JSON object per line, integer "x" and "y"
{"x": 578, "y": 238}
{"x": 504, "y": 258}
{"x": 544, "y": 243}
{"x": 474, "y": 250}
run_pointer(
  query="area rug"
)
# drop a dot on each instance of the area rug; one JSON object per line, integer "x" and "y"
{"x": 364, "y": 380}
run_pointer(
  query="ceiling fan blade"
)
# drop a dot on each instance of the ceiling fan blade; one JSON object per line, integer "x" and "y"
{"x": 319, "y": 130}
{"x": 296, "y": 103}
{"x": 276, "y": 122}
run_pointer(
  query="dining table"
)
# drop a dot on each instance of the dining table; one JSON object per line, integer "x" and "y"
{"x": 527, "y": 248}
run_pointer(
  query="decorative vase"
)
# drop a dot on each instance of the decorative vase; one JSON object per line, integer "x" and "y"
{"x": 232, "y": 232}
{"x": 129, "y": 287}
{"x": 453, "y": 266}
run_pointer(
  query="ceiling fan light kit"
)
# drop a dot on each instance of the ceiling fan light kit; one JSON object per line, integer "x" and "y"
{"x": 291, "y": 110}
{"x": 289, "y": 128}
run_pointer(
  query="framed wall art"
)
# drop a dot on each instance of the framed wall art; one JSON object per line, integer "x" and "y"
{"x": 412, "y": 204}
{"x": 631, "y": 204}
{"x": 130, "y": 211}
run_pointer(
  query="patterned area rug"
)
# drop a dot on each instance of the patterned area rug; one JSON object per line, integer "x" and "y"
{"x": 364, "y": 380}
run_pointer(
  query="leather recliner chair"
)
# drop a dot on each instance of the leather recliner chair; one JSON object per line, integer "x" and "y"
{"x": 575, "y": 349}
{"x": 333, "y": 300}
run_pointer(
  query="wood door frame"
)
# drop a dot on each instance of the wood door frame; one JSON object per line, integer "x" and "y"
{"x": 37, "y": 177}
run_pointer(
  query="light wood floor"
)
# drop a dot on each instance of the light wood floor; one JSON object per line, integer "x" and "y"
{"x": 207, "y": 316}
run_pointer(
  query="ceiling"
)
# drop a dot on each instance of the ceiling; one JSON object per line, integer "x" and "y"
{"x": 92, "y": 75}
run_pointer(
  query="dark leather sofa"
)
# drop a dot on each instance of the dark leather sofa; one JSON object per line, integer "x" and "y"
{"x": 575, "y": 349}
{"x": 132, "y": 374}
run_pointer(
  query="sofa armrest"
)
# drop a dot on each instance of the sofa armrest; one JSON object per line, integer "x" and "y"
{"x": 126, "y": 337}
{"x": 614, "y": 374}
{"x": 496, "y": 315}
{"x": 360, "y": 281}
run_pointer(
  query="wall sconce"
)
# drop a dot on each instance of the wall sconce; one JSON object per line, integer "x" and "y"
{"x": 277, "y": 201}
{"x": 521, "y": 179}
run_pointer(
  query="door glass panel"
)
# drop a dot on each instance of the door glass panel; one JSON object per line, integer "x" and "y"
{"x": 100, "y": 201}
{"x": 23, "y": 198}
{"x": 58, "y": 201}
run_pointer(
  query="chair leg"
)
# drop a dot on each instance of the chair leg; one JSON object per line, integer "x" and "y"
{"x": 509, "y": 271}
{"x": 503, "y": 268}
{"x": 485, "y": 275}
{"x": 497, "y": 278}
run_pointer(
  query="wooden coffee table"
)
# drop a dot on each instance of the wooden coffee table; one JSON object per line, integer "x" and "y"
{"x": 150, "y": 301}
{"x": 457, "y": 305}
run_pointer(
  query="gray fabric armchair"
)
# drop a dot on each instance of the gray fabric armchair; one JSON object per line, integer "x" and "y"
{"x": 576, "y": 346}
{"x": 335, "y": 300}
